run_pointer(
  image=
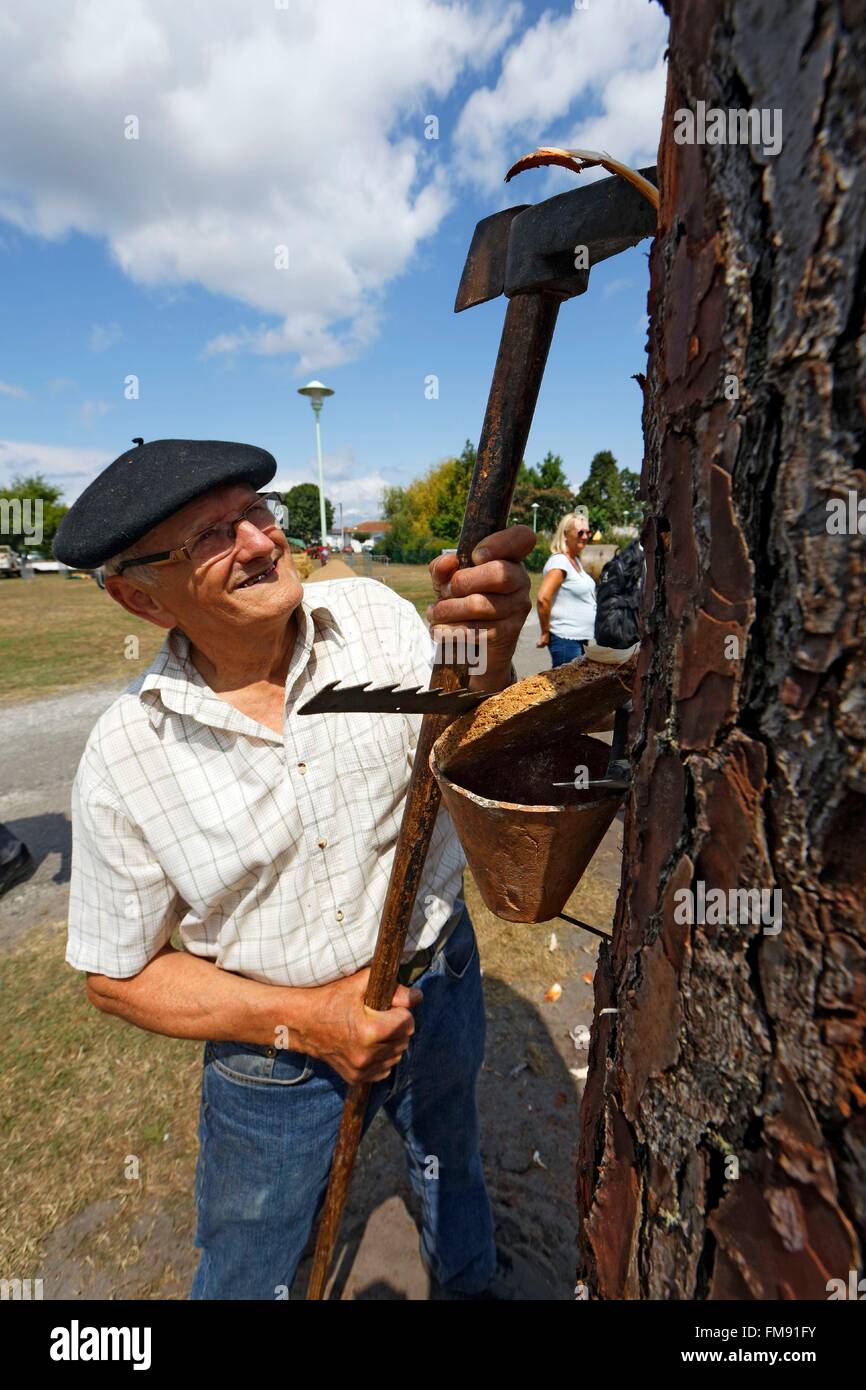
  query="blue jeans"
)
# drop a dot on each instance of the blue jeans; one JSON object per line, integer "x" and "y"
{"x": 268, "y": 1125}
{"x": 563, "y": 649}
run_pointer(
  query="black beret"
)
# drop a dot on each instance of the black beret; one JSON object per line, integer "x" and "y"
{"x": 146, "y": 485}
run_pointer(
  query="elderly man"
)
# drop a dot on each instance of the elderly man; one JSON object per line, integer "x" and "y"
{"x": 204, "y": 804}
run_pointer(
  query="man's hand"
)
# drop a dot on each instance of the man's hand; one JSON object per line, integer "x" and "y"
{"x": 491, "y": 598}
{"x": 359, "y": 1043}
{"x": 184, "y": 996}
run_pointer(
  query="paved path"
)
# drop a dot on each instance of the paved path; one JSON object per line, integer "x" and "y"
{"x": 39, "y": 752}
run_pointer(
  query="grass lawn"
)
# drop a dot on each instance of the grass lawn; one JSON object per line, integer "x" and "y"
{"x": 413, "y": 583}
{"x": 91, "y": 1111}
{"x": 98, "y": 1119}
{"x": 59, "y": 634}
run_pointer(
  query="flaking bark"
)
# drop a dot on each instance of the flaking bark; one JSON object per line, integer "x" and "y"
{"x": 729, "y": 1043}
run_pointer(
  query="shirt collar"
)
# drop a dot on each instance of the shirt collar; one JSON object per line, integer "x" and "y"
{"x": 173, "y": 681}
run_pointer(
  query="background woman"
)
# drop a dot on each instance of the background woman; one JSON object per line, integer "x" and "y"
{"x": 566, "y": 598}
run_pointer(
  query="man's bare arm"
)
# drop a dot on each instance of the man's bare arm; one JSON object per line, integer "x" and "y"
{"x": 183, "y": 996}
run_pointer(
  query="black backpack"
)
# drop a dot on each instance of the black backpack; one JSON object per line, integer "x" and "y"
{"x": 620, "y": 588}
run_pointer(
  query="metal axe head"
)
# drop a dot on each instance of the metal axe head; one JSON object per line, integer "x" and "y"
{"x": 551, "y": 246}
{"x": 483, "y": 275}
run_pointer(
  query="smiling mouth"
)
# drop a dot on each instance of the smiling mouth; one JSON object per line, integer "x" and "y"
{"x": 261, "y": 578}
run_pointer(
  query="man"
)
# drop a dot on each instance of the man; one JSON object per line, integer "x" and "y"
{"x": 204, "y": 802}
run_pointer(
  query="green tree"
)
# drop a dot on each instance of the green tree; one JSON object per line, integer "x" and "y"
{"x": 304, "y": 520}
{"x": 553, "y": 503}
{"x": 453, "y": 490}
{"x": 546, "y": 484}
{"x": 408, "y": 509}
{"x": 634, "y": 507}
{"x": 427, "y": 514}
{"x": 21, "y": 523}
{"x": 603, "y": 493}
{"x": 550, "y": 472}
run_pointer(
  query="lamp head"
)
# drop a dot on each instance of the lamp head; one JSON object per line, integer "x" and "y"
{"x": 316, "y": 393}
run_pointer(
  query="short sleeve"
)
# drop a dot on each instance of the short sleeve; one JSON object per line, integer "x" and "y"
{"x": 556, "y": 562}
{"x": 122, "y": 908}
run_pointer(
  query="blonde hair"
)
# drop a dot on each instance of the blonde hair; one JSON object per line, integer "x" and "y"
{"x": 558, "y": 545}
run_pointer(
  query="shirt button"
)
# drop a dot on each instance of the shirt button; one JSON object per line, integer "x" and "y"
{"x": 339, "y": 916}
{"x": 302, "y": 767}
{"x": 322, "y": 844}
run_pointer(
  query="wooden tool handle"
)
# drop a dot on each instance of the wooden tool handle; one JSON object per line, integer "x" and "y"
{"x": 526, "y": 336}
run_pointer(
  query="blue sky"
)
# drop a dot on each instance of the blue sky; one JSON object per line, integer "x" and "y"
{"x": 155, "y": 256}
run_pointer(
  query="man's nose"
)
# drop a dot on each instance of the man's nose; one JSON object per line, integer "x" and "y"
{"x": 251, "y": 541}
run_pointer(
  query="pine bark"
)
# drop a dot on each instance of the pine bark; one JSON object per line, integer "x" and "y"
{"x": 723, "y": 1124}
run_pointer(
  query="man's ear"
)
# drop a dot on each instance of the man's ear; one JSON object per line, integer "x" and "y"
{"x": 142, "y": 603}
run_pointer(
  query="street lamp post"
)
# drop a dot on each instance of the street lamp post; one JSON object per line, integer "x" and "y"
{"x": 316, "y": 393}
{"x": 342, "y": 538}
{"x": 535, "y": 516}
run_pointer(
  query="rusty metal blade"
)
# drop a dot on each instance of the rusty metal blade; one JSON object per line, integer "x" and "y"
{"x": 387, "y": 699}
{"x": 484, "y": 272}
{"x": 605, "y": 218}
{"x": 532, "y": 248}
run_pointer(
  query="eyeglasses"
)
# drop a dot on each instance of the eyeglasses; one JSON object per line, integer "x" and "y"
{"x": 582, "y": 535}
{"x": 267, "y": 513}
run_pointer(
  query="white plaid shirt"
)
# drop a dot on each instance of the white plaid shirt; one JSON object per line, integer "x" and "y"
{"x": 270, "y": 852}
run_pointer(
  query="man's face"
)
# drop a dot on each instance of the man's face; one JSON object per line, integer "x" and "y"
{"x": 254, "y": 583}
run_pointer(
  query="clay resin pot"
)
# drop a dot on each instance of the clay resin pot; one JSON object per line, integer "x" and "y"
{"x": 528, "y": 842}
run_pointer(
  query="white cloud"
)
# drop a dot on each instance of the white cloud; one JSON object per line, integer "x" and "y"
{"x": 261, "y": 128}
{"x": 92, "y": 410}
{"x": 606, "y": 58}
{"x": 67, "y": 466}
{"x": 614, "y": 286}
{"x": 258, "y": 127}
{"x": 7, "y": 389}
{"x": 104, "y": 335}
{"x": 360, "y": 493}
{"x": 629, "y": 124}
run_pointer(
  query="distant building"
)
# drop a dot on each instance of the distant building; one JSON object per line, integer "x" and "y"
{"x": 372, "y": 530}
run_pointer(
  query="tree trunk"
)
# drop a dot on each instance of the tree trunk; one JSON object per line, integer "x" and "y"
{"x": 723, "y": 1144}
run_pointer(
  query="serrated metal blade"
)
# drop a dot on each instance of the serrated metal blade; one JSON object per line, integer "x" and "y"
{"x": 388, "y": 699}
